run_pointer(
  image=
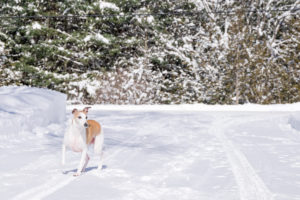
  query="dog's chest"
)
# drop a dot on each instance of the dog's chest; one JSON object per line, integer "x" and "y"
{"x": 75, "y": 141}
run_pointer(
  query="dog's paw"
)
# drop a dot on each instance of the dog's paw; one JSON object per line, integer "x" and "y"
{"x": 76, "y": 174}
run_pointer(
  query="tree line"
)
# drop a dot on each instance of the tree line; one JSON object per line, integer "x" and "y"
{"x": 134, "y": 52}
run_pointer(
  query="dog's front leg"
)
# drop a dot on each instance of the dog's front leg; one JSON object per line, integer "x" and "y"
{"x": 82, "y": 161}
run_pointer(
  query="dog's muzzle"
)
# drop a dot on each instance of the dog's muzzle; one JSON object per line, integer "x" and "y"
{"x": 86, "y": 125}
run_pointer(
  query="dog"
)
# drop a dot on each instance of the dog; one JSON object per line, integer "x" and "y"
{"x": 80, "y": 134}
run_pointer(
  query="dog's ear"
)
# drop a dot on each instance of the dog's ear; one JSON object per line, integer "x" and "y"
{"x": 74, "y": 111}
{"x": 86, "y": 110}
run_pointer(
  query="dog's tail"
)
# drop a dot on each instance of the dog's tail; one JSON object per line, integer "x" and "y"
{"x": 99, "y": 140}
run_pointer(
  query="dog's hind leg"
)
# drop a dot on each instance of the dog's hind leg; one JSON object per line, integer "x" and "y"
{"x": 98, "y": 148}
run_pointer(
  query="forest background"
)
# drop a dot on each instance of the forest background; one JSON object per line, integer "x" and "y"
{"x": 154, "y": 52}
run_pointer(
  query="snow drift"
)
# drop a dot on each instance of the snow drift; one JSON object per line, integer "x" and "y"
{"x": 23, "y": 109}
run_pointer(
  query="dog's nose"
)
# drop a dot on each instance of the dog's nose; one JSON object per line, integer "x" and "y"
{"x": 86, "y": 125}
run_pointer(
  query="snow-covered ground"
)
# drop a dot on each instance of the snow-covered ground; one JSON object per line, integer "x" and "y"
{"x": 156, "y": 152}
{"x": 23, "y": 109}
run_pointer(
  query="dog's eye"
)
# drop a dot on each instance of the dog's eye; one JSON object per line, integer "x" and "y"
{"x": 79, "y": 117}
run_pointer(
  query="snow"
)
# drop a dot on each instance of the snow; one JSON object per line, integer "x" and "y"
{"x": 150, "y": 19}
{"x": 36, "y": 26}
{"x": 2, "y": 45}
{"x": 98, "y": 37}
{"x": 103, "y": 5}
{"x": 87, "y": 38}
{"x": 24, "y": 109}
{"x": 90, "y": 86}
{"x": 248, "y": 152}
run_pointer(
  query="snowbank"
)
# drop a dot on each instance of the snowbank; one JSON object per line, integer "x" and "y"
{"x": 197, "y": 107}
{"x": 24, "y": 108}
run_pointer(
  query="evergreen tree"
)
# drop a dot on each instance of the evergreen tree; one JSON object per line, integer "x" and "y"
{"x": 130, "y": 51}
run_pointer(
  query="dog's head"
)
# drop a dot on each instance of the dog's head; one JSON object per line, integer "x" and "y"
{"x": 80, "y": 117}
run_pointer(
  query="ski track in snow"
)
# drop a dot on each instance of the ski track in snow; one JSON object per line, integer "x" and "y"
{"x": 56, "y": 179}
{"x": 46, "y": 164}
{"x": 45, "y": 189}
{"x": 250, "y": 185}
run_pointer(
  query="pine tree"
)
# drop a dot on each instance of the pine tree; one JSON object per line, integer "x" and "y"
{"x": 154, "y": 51}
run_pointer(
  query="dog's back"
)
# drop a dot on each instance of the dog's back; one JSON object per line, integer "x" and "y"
{"x": 94, "y": 129}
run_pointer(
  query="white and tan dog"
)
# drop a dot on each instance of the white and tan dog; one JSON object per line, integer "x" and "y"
{"x": 80, "y": 134}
